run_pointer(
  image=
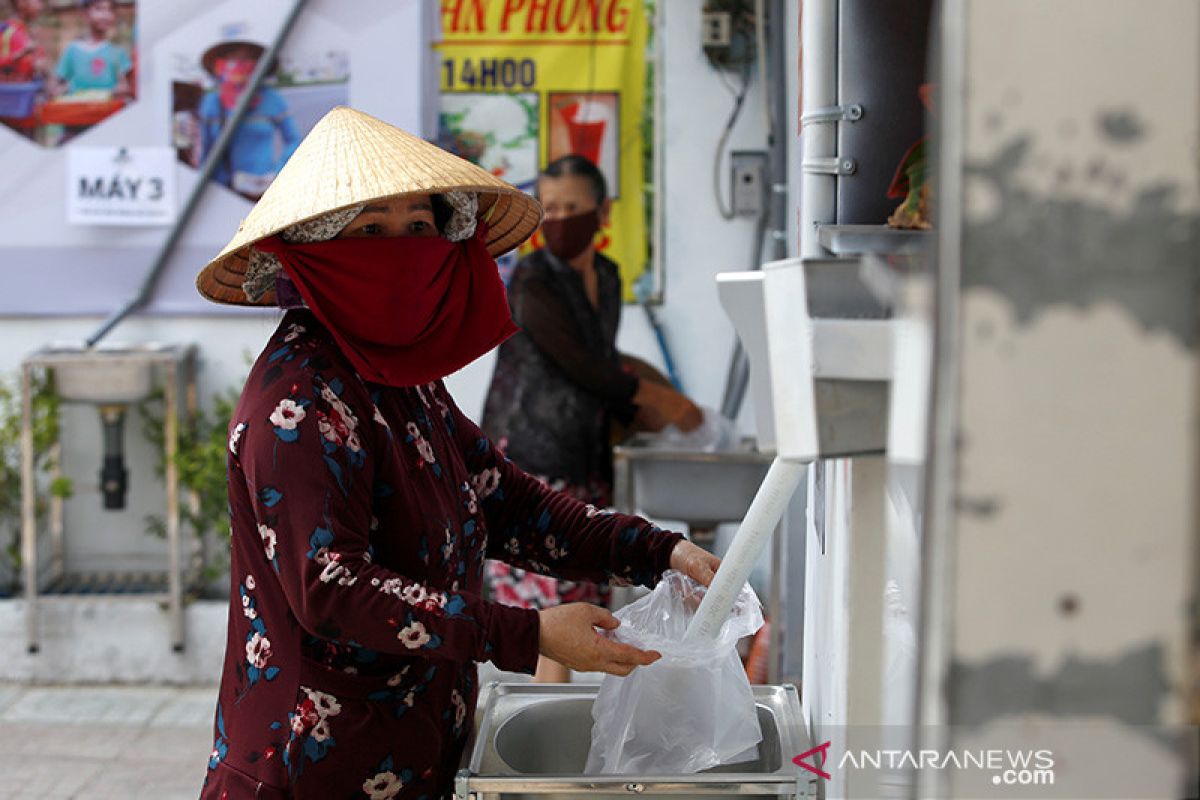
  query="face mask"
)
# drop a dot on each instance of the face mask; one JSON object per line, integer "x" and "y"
{"x": 567, "y": 238}
{"x": 405, "y": 310}
{"x": 235, "y": 69}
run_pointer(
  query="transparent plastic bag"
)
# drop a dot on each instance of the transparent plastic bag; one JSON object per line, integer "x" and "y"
{"x": 690, "y": 710}
{"x": 715, "y": 434}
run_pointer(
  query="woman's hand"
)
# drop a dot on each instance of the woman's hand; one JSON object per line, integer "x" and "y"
{"x": 660, "y": 406}
{"x": 567, "y": 634}
{"x": 694, "y": 561}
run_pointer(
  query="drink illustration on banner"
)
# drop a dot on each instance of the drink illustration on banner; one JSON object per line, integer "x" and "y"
{"x": 587, "y": 124}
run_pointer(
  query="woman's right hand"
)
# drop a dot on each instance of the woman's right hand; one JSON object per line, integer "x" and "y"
{"x": 567, "y": 634}
{"x": 660, "y": 406}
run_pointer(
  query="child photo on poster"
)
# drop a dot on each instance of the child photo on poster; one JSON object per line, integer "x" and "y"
{"x": 299, "y": 87}
{"x": 65, "y": 68}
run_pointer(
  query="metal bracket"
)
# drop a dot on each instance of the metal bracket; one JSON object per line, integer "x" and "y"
{"x": 835, "y": 165}
{"x": 851, "y": 113}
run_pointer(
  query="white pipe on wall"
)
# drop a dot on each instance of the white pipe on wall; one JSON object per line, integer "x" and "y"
{"x": 818, "y": 192}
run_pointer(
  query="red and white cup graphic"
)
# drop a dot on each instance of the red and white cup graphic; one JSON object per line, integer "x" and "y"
{"x": 586, "y": 122}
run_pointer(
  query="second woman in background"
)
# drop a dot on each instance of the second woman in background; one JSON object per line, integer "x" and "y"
{"x": 559, "y": 382}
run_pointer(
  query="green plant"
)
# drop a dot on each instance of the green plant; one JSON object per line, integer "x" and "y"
{"x": 200, "y": 458}
{"x": 45, "y": 436}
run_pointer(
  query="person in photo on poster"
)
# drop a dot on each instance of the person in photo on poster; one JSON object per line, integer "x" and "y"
{"x": 95, "y": 67}
{"x": 251, "y": 162}
{"x": 23, "y": 67}
{"x": 22, "y": 59}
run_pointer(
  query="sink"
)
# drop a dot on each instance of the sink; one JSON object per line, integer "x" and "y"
{"x": 532, "y": 740}
{"x": 103, "y": 375}
{"x": 548, "y": 738}
{"x": 699, "y": 488}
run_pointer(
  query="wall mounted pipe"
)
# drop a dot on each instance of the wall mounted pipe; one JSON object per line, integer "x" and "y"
{"x": 819, "y": 53}
{"x": 215, "y": 155}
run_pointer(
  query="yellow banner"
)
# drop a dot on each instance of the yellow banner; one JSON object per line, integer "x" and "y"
{"x": 527, "y": 81}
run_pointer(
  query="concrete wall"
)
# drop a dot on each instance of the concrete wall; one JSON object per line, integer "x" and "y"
{"x": 1065, "y": 463}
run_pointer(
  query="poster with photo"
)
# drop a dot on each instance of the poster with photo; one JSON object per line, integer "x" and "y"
{"x": 301, "y": 86}
{"x": 65, "y": 67}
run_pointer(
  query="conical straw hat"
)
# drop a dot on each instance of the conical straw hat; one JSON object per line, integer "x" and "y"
{"x": 350, "y": 158}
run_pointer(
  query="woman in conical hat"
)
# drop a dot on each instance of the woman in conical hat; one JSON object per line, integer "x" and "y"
{"x": 364, "y": 501}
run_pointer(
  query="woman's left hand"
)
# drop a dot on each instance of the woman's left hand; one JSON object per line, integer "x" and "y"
{"x": 694, "y": 561}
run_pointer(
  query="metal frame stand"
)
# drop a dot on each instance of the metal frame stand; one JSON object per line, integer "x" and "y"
{"x": 178, "y": 369}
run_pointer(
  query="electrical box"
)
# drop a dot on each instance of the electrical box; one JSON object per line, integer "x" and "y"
{"x": 716, "y": 28}
{"x": 727, "y": 33}
{"x": 749, "y": 182}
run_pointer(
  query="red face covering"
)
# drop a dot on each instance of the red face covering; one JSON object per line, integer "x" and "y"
{"x": 570, "y": 236}
{"x": 234, "y": 74}
{"x": 405, "y": 310}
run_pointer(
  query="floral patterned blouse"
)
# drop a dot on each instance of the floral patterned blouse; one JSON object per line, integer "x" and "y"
{"x": 362, "y": 515}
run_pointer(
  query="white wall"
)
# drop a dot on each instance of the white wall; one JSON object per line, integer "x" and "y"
{"x": 698, "y": 243}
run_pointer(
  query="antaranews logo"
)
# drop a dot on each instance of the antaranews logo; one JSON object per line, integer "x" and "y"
{"x": 821, "y": 750}
{"x": 1008, "y": 767}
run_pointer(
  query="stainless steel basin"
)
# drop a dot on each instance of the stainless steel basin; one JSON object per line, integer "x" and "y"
{"x": 701, "y": 489}
{"x": 532, "y": 740}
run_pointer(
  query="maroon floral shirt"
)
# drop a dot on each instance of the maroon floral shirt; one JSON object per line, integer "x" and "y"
{"x": 362, "y": 515}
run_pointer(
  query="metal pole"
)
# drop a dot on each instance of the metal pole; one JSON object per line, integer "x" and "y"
{"x": 775, "y": 602}
{"x": 28, "y": 511}
{"x": 215, "y": 155}
{"x": 776, "y": 102}
{"x": 196, "y": 559}
{"x": 174, "y": 559}
{"x": 819, "y": 53}
{"x": 57, "y": 539}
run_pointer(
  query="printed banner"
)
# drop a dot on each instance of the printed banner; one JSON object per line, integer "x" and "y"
{"x": 121, "y": 186}
{"x": 527, "y": 81}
